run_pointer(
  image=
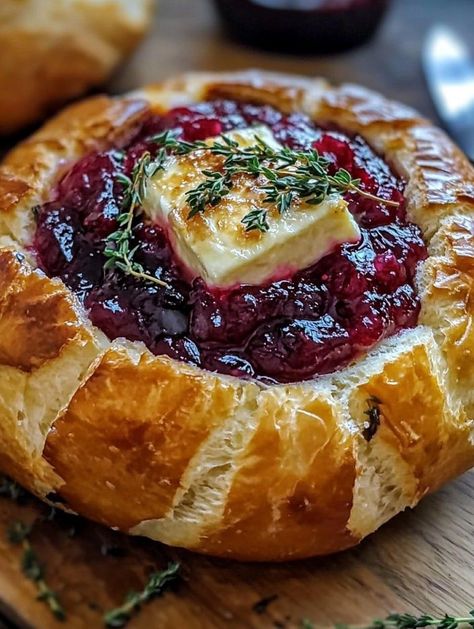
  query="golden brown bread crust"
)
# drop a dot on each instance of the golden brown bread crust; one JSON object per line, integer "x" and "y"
{"x": 294, "y": 483}
{"x": 157, "y": 431}
{"x": 43, "y": 339}
{"x": 54, "y": 50}
{"x": 212, "y": 463}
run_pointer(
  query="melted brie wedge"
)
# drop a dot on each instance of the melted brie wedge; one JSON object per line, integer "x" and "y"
{"x": 214, "y": 244}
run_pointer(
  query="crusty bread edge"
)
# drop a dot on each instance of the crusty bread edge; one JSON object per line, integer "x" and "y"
{"x": 75, "y": 46}
{"x": 156, "y": 447}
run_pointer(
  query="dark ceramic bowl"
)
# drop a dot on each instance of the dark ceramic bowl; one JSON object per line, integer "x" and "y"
{"x": 302, "y": 26}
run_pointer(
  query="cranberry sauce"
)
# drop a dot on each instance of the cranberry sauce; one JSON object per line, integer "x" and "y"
{"x": 313, "y": 323}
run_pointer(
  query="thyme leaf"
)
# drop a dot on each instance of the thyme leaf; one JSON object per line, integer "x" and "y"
{"x": 156, "y": 585}
{"x": 409, "y": 621}
{"x": 286, "y": 174}
{"x": 118, "y": 249}
{"x": 168, "y": 141}
{"x": 256, "y": 219}
{"x": 19, "y": 533}
{"x": 208, "y": 193}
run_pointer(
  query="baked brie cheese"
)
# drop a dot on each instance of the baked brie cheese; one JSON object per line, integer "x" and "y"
{"x": 236, "y": 313}
{"x": 216, "y": 246}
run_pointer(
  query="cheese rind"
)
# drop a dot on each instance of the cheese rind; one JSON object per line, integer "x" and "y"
{"x": 214, "y": 244}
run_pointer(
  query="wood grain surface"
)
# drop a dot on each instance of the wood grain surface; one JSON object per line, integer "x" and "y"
{"x": 420, "y": 562}
{"x": 423, "y": 561}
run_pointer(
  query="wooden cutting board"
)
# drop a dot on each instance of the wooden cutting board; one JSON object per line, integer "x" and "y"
{"x": 423, "y": 561}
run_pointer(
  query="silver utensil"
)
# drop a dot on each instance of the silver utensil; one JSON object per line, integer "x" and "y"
{"x": 449, "y": 71}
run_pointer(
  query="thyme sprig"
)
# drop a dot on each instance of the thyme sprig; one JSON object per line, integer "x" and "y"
{"x": 119, "y": 251}
{"x": 256, "y": 219}
{"x": 409, "y": 621}
{"x": 210, "y": 192}
{"x": 169, "y": 143}
{"x": 19, "y": 533}
{"x": 157, "y": 583}
{"x": 286, "y": 174}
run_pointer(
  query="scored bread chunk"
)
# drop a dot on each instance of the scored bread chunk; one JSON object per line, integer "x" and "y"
{"x": 55, "y": 50}
{"x": 210, "y": 462}
{"x": 45, "y": 352}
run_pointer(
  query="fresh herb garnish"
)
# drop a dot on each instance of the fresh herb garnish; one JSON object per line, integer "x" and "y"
{"x": 256, "y": 219}
{"x": 372, "y": 424}
{"x": 168, "y": 142}
{"x": 156, "y": 585}
{"x": 408, "y": 621}
{"x": 19, "y": 533}
{"x": 208, "y": 193}
{"x": 118, "y": 250}
{"x": 287, "y": 175}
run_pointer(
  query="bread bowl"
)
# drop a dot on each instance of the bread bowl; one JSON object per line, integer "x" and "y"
{"x": 263, "y": 465}
{"x": 55, "y": 50}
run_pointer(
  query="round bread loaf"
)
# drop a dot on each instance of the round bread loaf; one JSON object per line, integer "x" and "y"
{"x": 217, "y": 464}
{"x": 55, "y": 50}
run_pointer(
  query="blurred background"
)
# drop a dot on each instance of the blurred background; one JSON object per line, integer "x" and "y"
{"x": 187, "y": 35}
{"x": 53, "y": 51}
